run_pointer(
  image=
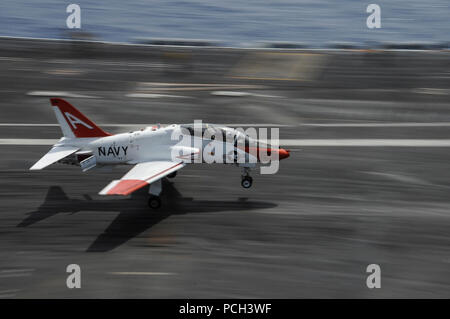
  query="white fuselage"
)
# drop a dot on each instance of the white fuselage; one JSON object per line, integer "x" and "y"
{"x": 149, "y": 144}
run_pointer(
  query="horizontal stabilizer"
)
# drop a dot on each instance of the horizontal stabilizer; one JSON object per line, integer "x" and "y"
{"x": 88, "y": 163}
{"x": 55, "y": 154}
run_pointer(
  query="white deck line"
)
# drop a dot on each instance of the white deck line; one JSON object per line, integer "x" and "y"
{"x": 293, "y": 142}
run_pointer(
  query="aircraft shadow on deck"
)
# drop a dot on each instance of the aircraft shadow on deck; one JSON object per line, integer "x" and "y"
{"x": 134, "y": 216}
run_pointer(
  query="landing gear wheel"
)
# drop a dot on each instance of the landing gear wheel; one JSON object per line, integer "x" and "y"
{"x": 154, "y": 202}
{"x": 247, "y": 182}
{"x": 172, "y": 175}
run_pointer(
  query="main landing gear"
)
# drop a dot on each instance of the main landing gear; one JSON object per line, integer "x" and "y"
{"x": 154, "y": 201}
{"x": 247, "y": 180}
{"x": 172, "y": 175}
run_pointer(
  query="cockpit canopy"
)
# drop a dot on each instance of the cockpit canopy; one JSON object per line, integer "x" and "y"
{"x": 212, "y": 132}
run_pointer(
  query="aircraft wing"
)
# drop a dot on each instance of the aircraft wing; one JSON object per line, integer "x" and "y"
{"x": 54, "y": 155}
{"x": 140, "y": 175}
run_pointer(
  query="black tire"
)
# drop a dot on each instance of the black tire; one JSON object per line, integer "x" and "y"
{"x": 154, "y": 202}
{"x": 247, "y": 182}
{"x": 172, "y": 175}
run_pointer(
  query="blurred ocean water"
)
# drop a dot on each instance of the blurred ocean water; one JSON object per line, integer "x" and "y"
{"x": 231, "y": 21}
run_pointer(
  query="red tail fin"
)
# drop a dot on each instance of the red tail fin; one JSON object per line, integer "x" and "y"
{"x": 70, "y": 118}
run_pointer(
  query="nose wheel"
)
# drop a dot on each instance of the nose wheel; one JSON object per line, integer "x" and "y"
{"x": 247, "y": 182}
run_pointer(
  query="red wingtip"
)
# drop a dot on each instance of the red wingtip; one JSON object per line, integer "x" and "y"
{"x": 126, "y": 187}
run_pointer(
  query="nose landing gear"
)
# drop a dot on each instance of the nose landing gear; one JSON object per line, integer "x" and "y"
{"x": 247, "y": 180}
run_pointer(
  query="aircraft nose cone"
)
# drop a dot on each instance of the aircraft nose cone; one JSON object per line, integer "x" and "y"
{"x": 283, "y": 153}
